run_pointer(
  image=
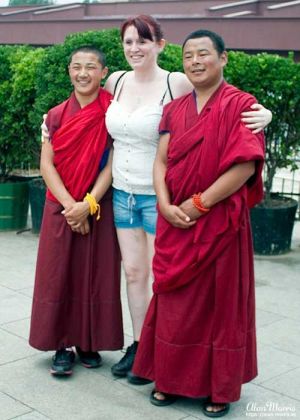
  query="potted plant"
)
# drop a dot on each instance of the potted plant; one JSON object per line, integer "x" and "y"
{"x": 273, "y": 219}
{"x": 17, "y": 140}
{"x": 275, "y": 81}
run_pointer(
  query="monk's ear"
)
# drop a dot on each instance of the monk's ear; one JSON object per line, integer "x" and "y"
{"x": 104, "y": 72}
{"x": 224, "y": 58}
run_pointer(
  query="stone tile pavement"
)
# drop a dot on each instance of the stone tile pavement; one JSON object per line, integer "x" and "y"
{"x": 28, "y": 392}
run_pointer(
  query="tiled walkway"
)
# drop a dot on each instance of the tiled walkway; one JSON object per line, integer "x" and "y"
{"x": 28, "y": 392}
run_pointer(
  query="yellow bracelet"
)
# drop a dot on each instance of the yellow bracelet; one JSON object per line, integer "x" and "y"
{"x": 94, "y": 206}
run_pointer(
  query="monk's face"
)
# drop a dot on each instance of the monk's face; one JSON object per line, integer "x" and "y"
{"x": 202, "y": 63}
{"x": 86, "y": 73}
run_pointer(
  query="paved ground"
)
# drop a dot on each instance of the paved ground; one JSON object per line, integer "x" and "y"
{"x": 28, "y": 392}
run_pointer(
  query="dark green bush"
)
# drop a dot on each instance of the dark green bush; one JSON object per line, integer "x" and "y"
{"x": 275, "y": 82}
{"x": 34, "y": 80}
{"x": 17, "y": 95}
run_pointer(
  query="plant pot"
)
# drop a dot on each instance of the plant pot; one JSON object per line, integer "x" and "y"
{"x": 272, "y": 225}
{"x": 37, "y": 195}
{"x": 13, "y": 205}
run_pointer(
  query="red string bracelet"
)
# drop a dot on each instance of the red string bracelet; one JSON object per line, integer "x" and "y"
{"x": 197, "y": 202}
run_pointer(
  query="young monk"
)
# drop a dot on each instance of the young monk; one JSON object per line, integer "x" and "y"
{"x": 199, "y": 338}
{"x": 77, "y": 286}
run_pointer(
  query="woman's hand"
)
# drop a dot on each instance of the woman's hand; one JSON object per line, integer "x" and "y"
{"x": 176, "y": 217}
{"x": 44, "y": 128}
{"x": 257, "y": 119}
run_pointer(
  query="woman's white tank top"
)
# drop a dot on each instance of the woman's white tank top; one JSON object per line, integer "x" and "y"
{"x": 135, "y": 136}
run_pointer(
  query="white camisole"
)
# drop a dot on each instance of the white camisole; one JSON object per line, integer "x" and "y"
{"x": 135, "y": 136}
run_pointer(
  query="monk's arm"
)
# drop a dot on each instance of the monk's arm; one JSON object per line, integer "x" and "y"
{"x": 52, "y": 178}
{"x": 227, "y": 184}
{"x": 173, "y": 214}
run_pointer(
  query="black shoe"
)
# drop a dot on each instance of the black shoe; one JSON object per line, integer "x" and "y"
{"x": 62, "y": 362}
{"x": 89, "y": 359}
{"x": 137, "y": 380}
{"x": 125, "y": 364}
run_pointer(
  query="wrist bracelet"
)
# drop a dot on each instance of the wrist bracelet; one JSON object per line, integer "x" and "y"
{"x": 197, "y": 203}
{"x": 94, "y": 206}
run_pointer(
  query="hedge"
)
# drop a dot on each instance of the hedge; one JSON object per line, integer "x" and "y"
{"x": 34, "y": 80}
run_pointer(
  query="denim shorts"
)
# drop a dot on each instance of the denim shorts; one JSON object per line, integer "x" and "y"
{"x": 134, "y": 211}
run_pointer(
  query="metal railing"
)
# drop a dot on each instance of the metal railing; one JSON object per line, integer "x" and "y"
{"x": 287, "y": 183}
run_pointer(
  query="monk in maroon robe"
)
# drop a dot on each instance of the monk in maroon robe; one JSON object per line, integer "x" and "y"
{"x": 198, "y": 338}
{"x": 76, "y": 298}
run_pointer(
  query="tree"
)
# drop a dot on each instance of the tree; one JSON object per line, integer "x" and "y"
{"x": 30, "y": 2}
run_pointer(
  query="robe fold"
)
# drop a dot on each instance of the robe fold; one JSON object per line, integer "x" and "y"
{"x": 78, "y": 137}
{"x": 198, "y": 338}
{"x": 76, "y": 298}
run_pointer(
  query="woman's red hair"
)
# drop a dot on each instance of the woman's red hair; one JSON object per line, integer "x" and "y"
{"x": 146, "y": 25}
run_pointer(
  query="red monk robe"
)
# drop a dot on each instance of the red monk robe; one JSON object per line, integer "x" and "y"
{"x": 77, "y": 287}
{"x": 199, "y": 337}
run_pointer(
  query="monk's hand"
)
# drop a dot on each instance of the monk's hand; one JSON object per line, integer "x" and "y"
{"x": 44, "y": 128}
{"x": 176, "y": 217}
{"x": 83, "y": 227}
{"x": 190, "y": 210}
{"x": 77, "y": 213}
{"x": 257, "y": 119}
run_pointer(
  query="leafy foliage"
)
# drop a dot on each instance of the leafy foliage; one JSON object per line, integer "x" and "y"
{"x": 34, "y": 80}
{"x": 275, "y": 82}
{"x": 17, "y": 95}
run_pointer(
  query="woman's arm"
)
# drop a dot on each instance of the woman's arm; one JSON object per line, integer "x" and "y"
{"x": 257, "y": 119}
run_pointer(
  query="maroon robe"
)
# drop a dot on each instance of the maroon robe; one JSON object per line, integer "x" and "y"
{"x": 198, "y": 338}
{"x": 76, "y": 298}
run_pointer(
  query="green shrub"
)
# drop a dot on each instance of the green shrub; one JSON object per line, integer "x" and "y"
{"x": 34, "y": 80}
{"x": 275, "y": 82}
{"x": 17, "y": 95}
{"x": 5, "y": 92}
{"x": 171, "y": 58}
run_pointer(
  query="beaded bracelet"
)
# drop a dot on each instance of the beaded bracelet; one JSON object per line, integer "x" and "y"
{"x": 197, "y": 202}
{"x": 94, "y": 206}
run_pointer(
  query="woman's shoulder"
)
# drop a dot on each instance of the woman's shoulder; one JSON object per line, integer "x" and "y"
{"x": 112, "y": 80}
{"x": 179, "y": 84}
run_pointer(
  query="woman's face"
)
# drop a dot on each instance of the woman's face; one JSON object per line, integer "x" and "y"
{"x": 140, "y": 52}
